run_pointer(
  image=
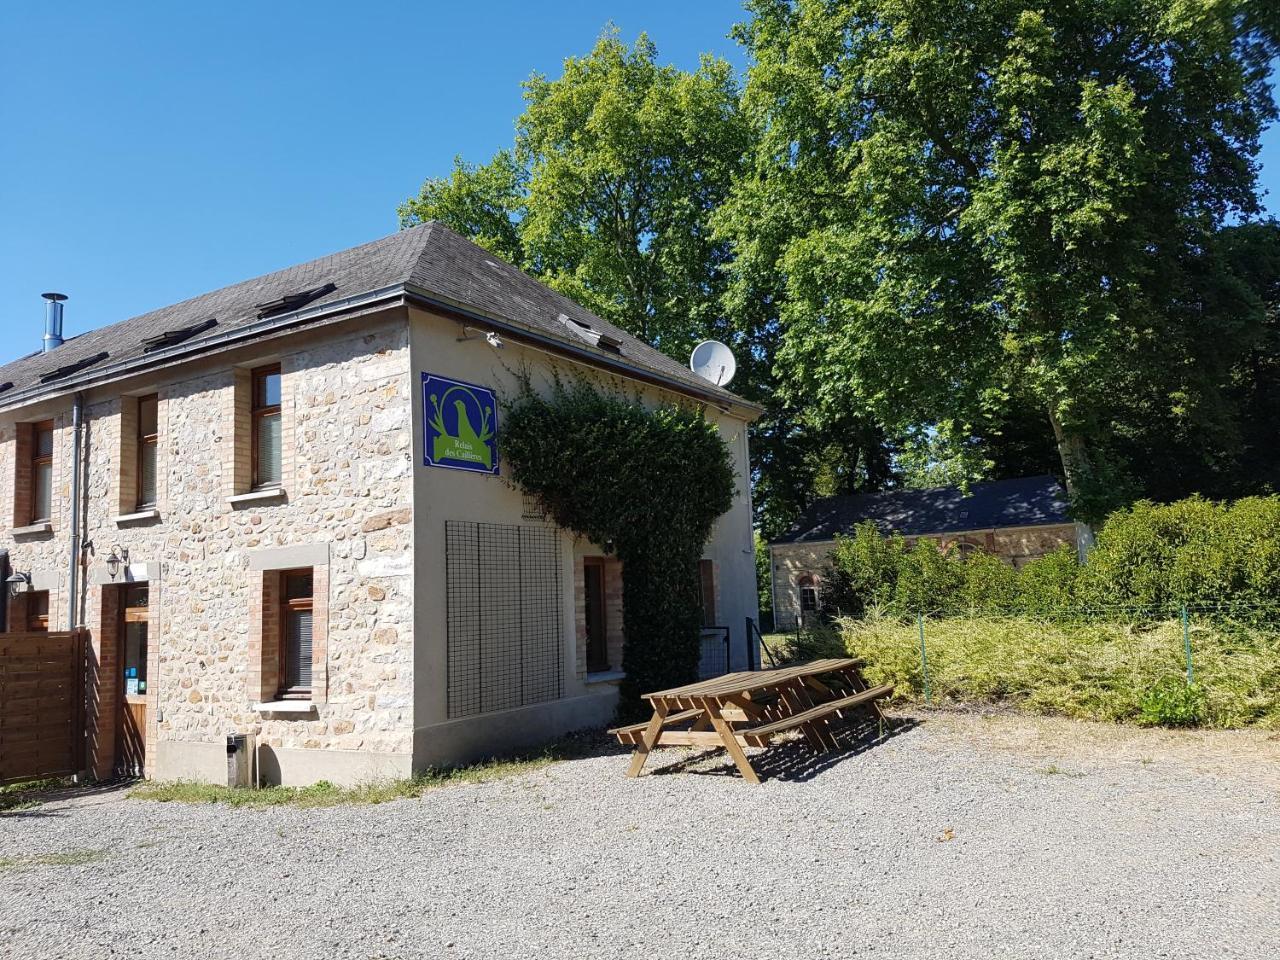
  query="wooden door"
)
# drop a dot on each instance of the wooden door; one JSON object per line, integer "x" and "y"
{"x": 597, "y": 622}
{"x": 131, "y": 729}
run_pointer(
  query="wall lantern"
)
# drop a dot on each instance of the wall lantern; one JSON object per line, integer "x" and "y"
{"x": 119, "y": 555}
{"x": 18, "y": 583}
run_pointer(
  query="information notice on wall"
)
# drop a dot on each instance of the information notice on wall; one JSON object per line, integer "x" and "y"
{"x": 460, "y": 425}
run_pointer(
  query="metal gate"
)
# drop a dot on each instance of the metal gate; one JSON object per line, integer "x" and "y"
{"x": 41, "y": 705}
{"x": 713, "y": 653}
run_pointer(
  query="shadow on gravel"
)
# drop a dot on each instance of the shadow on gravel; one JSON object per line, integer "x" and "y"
{"x": 794, "y": 761}
{"x": 33, "y": 804}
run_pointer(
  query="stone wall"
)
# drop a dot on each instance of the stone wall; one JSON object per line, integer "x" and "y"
{"x": 347, "y": 501}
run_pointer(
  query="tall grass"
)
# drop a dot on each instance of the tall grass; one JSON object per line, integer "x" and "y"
{"x": 1100, "y": 669}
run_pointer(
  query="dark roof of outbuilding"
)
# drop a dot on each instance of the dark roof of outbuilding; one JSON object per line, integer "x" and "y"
{"x": 1023, "y": 502}
{"x": 429, "y": 262}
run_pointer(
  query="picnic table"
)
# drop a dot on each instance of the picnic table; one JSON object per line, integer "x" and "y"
{"x": 738, "y": 710}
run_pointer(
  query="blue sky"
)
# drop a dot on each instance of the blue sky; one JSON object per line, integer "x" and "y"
{"x": 153, "y": 151}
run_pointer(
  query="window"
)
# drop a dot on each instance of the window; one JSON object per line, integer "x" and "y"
{"x": 148, "y": 444}
{"x": 707, "y": 589}
{"x": 266, "y": 427}
{"x": 808, "y": 595}
{"x": 38, "y": 611}
{"x": 42, "y": 471}
{"x": 808, "y": 600}
{"x": 296, "y": 630}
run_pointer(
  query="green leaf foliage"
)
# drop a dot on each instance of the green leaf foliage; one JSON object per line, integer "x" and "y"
{"x": 1148, "y": 557}
{"x": 967, "y": 212}
{"x": 651, "y": 481}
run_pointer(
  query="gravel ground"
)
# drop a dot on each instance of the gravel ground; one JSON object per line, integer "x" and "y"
{"x": 958, "y": 837}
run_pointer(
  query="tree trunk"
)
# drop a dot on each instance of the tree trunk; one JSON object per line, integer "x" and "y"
{"x": 1074, "y": 454}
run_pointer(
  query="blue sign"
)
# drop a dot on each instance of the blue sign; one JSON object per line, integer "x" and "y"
{"x": 460, "y": 425}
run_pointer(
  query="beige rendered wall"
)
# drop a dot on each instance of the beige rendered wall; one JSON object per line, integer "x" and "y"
{"x": 348, "y": 507}
{"x": 441, "y": 495}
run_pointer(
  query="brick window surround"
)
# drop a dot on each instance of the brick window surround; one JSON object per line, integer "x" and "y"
{"x": 266, "y": 625}
{"x": 24, "y": 456}
{"x": 238, "y": 415}
{"x": 129, "y": 498}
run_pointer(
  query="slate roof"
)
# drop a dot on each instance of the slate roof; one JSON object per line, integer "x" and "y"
{"x": 426, "y": 261}
{"x": 1022, "y": 502}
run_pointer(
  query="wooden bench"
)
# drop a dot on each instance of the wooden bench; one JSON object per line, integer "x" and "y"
{"x": 761, "y": 735}
{"x": 632, "y": 732}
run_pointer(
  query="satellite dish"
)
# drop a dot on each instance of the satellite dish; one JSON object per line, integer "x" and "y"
{"x": 713, "y": 361}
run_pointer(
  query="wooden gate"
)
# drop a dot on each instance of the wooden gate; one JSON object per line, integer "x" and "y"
{"x": 41, "y": 705}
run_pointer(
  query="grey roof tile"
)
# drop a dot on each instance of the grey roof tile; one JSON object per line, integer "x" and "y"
{"x": 1021, "y": 502}
{"x": 430, "y": 256}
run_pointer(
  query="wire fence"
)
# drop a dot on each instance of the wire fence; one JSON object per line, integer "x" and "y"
{"x": 1210, "y": 664}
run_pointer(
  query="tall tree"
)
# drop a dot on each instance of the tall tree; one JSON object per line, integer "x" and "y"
{"x": 608, "y": 196}
{"x": 987, "y": 208}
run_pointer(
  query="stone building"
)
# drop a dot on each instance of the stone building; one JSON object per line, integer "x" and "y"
{"x": 292, "y": 521}
{"x": 1018, "y": 520}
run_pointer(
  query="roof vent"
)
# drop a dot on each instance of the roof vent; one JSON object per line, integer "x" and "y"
{"x": 171, "y": 337}
{"x": 7, "y": 385}
{"x": 52, "y": 321}
{"x": 67, "y": 369}
{"x": 292, "y": 301}
{"x": 588, "y": 333}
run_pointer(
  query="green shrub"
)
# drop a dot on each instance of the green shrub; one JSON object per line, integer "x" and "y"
{"x": 862, "y": 572}
{"x": 928, "y": 579}
{"x": 1171, "y": 703}
{"x": 1157, "y": 557}
{"x": 1048, "y": 584}
{"x": 1192, "y": 552}
{"x": 1099, "y": 669}
{"x": 989, "y": 584}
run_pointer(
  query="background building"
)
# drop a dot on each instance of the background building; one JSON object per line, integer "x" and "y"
{"x": 1017, "y": 520}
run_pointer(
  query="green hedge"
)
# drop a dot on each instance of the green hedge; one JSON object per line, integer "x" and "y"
{"x": 1101, "y": 670}
{"x": 1154, "y": 556}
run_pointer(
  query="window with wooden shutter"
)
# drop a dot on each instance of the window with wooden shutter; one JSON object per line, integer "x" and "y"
{"x": 266, "y": 439}
{"x": 148, "y": 445}
{"x": 296, "y": 634}
{"x": 42, "y": 471}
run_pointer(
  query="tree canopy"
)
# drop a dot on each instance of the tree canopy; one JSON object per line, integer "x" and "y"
{"x": 996, "y": 209}
{"x": 945, "y": 242}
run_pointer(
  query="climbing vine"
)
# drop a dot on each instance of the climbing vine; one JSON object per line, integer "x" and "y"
{"x": 651, "y": 481}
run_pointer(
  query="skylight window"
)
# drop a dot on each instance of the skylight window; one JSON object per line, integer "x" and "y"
{"x": 70, "y": 368}
{"x": 588, "y": 333}
{"x": 177, "y": 335}
{"x": 292, "y": 301}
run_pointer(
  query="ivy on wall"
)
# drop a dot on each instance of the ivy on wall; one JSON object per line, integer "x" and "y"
{"x": 651, "y": 481}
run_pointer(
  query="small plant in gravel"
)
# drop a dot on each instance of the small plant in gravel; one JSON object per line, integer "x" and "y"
{"x": 65, "y": 858}
{"x": 1171, "y": 703}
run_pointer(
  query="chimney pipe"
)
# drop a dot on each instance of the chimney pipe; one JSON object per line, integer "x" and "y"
{"x": 52, "y": 321}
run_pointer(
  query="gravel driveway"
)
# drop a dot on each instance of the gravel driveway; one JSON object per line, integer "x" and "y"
{"x": 957, "y": 837}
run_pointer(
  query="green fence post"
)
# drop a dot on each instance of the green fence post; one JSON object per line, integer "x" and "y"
{"x": 924, "y": 658}
{"x": 1186, "y": 643}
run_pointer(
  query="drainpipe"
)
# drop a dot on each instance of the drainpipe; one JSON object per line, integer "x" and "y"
{"x": 77, "y": 411}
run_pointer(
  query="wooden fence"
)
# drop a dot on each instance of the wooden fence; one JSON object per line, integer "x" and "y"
{"x": 41, "y": 705}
